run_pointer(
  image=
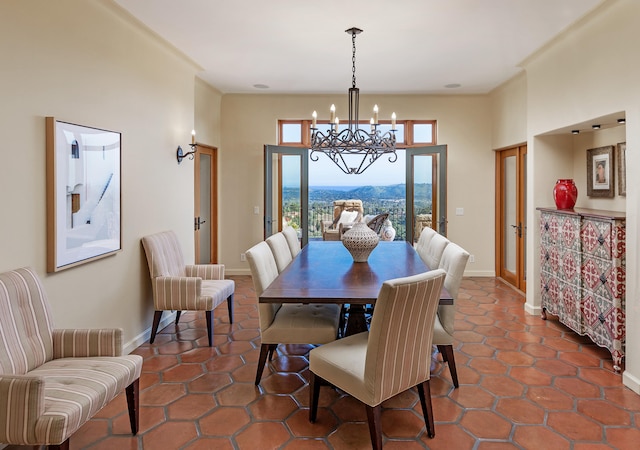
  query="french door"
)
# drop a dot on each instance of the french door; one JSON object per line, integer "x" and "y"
{"x": 511, "y": 230}
{"x": 206, "y": 206}
{"x": 426, "y": 178}
{"x": 286, "y": 189}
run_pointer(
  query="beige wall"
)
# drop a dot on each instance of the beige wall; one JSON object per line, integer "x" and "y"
{"x": 587, "y": 74}
{"x": 83, "y": 62}
{"x": 509, "y": 113}
{"x": 207, "y": 113}
{"x": 464, "y": 125}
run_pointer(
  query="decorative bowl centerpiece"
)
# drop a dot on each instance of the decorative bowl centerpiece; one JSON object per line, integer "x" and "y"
{"x": 360, "y": 240}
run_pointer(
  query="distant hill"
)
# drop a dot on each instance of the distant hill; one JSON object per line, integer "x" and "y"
{"x": 364, "y": 193}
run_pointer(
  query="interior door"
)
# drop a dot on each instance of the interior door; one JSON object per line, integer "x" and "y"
{"x": 426, "y": 174}
{"x": 286, "y": 178}
{"x": 511, "y": 231}
{"x": 205, "y": 211}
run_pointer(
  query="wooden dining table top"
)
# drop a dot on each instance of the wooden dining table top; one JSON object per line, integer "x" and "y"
{"x": 324, "y": 272}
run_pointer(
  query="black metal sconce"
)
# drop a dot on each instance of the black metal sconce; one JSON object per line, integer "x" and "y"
{"x": 180, "y": 155}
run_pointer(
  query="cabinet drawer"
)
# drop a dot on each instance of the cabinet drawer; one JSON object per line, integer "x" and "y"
{"x": 604, "y": 239}
{"x": 560, "y": 229}
{"x": 605, "y": 278}
{"x": 603, "y": 320}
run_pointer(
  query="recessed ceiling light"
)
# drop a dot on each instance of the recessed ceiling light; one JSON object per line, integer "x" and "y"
{"x": 595, "y": 127}
{"x": 260, "y": 86}
{"x": 622, "y": 120}
{"x": 452, "y": 85}
{"x": 575, "y": 131}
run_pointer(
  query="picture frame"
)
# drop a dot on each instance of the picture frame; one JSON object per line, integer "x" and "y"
{"x": 600, "y": 172}
{"x": 621, "y": 160}
{"x": 83, "y": 194}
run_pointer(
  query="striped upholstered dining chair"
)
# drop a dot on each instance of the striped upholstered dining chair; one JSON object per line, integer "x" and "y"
{"x": 390, "y": 358}
{"x": 181, "y": 287}
{"x": 51, "y": 380}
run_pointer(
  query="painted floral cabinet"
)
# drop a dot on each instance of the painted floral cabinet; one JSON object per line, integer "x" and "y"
{"x": 582, "y": 276}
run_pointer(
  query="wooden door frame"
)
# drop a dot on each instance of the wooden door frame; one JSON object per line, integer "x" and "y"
{"x": 213, "y": 153}
{"x": 518, "y": 280}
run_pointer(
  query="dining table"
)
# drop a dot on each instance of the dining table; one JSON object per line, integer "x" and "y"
{"x": 324, "y": 272}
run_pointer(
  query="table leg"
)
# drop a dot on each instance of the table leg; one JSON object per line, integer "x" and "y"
{"x": 356, "y": 322}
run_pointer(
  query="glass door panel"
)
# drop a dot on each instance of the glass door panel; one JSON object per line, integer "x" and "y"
{"x": 204, "y": 231}
{"x": 286, "y": 190}
{"x": 426, "y": 190}
{"x": 510, "y": 221}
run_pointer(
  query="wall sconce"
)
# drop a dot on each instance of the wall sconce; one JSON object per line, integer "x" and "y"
{"x": 595, "y": 127}
{"x": 181, "y": 155}
{"x": 575, "y": 131}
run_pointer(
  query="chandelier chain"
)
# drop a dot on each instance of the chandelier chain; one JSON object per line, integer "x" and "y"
{"x": 353, "y": 60}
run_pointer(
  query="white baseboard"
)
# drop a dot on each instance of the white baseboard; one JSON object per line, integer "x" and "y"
{"x": 479, "y": 273}
{"x": 237, "y": 271}
{"x": 533, "y": 310}
{"x": 146, "y": 334}
{"x": 631, "y": 381}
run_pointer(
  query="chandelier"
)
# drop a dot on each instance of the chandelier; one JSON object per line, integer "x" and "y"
{"x": 353, "y": 149}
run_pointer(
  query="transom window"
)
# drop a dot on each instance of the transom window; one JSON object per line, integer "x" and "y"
{"x": 410, "y": 133}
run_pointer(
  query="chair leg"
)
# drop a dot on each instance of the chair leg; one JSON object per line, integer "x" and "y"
{"x": 375, "y": 427}
{"x": 265, "y": 350}
{"x": 447, "y": 355}
{"x": 272, "y": 350}
{"x": 230, "y": 307}
{"x": 154, "y": 328}
{"x": 133, "y": 404}
{"x": 209, "y": 316}
{"x": 314, "y": 394}
{"x": 424, "y": 391}
{"x": 63, "y": 446}
{"x": 178, "y": 316}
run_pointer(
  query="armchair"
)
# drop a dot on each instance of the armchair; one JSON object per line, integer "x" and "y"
{"x": 52, "y": 381}
{"x": 376, "y": 222}
{"x": 345, "y": 212}
{"x": 180, "y": 287}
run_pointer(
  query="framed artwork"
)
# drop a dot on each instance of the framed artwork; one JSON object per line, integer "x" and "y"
{"x": 621, "y": 150}
{"x": 600, "y": 173}
{"x": 83, "y": 194}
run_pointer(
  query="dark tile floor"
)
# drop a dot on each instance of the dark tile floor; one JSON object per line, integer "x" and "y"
{"x": 525, "y": 383}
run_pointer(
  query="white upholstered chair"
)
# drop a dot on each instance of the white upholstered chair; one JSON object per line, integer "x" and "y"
{"x": 390, "y": 358}
{"x": 280, "y": 249}
{"x": 292, "y": 239}
{"x": 286, "y": 323}
{"x": 181, "y": 287}
{"x": 52, "y": 380}
{"x": 453, "y": 262}
{"x": 424, "y": 240}
{"x": 431, "y": 248}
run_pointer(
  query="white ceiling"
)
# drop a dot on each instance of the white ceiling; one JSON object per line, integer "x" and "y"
{"x": 408, "y": 46}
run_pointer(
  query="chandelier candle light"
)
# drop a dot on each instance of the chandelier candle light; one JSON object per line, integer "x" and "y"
{"x": 349, "y": 145}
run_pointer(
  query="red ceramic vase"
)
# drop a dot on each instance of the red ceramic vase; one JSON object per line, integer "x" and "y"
{"x": 565, "y": 194}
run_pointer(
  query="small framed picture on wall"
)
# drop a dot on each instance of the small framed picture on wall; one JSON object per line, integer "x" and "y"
{"x": 621, "y": 150}
{"x": 600, "y": 172}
